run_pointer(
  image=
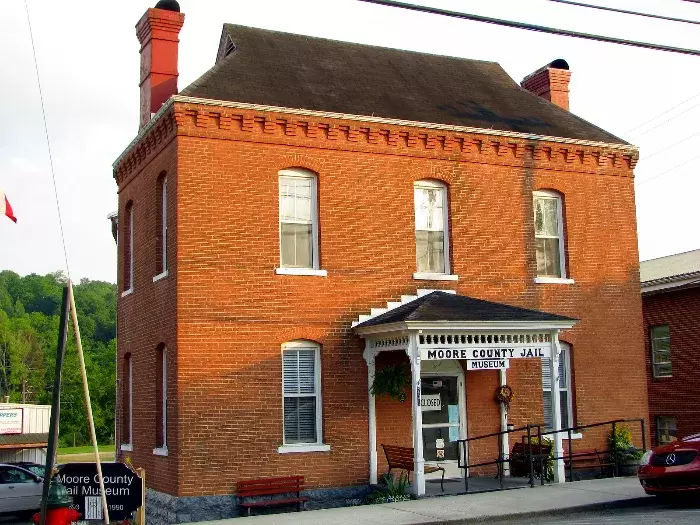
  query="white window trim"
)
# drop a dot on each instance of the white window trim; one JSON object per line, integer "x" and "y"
{"x": 566, "y": 354}
{"x": 301, "y": 271}
{"x": 164, "y": 407}
{"x": 304, "y": 174}
{"x": 653, "y": 361}
{"x": 429, "y": 183}
{"x": 131, "y": 251}
{"x": 160, "y": 276}
{"x": 319, "y": 446}
{"x": 429, "y": 276}
{"x": 553, "y": 280}
{"x": 164, "y": 226}
{"x": 160, "y": 451}
{"x": 560, "y": 232}
{"x": 128, "y": 445}
{"x": 127, "y": 292}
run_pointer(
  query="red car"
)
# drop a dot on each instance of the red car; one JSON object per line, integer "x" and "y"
{"x": 672, "y": 468}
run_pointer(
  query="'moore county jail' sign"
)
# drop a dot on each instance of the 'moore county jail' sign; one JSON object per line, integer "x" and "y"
{"x": 431, "y": 354}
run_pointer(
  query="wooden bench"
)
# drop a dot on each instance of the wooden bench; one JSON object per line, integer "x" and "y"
{"x": 284, "y": 487}
{"x": 586, "y": 459}
{"x": 520, "y": 458}
{"x": 402, "y": 458}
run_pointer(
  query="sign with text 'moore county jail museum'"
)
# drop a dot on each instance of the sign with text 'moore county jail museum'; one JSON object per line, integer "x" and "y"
{"x": 485, "y": 358}
{"x": 123, "y": 489}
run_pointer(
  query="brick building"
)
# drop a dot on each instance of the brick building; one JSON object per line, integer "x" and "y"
{"x": 671, "y": 307}
{"x": 284, "y": 223}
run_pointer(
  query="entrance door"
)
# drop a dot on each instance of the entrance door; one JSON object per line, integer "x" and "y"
{"x": 442, "y": 403}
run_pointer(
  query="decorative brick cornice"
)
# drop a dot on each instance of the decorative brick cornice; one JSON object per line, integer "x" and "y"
{"x": 207, "y": 120}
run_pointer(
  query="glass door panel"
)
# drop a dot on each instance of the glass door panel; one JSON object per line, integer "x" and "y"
{"x": 440, "y": 407}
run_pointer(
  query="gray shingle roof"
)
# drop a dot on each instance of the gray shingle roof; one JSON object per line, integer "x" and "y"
{"x": 441, "y": 306}
{"x": 8, "y": 440}
{"x": 670, "y": 266}
{"x": 297, "y": 71}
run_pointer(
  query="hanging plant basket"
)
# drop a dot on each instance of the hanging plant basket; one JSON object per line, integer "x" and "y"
{"x": 391, "y": 381}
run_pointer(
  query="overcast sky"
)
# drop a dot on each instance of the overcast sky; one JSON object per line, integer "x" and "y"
{"x": 89, "y": 65}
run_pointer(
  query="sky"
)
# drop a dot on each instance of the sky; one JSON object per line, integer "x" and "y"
{"x": 88, "y": 61}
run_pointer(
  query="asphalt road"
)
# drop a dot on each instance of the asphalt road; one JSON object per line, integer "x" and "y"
{"x": 658, "y": 512}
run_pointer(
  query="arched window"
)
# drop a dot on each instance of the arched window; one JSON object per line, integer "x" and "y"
{"x": 161, "y": 401}
{"x": 549, "y": 234}
{"x": 128, "y": 249}
{"x": 301, "y": 392}
{"x": 432, "y": 235}
{"x": 298, "y": 219}
{"x": 127, "y": 381}
{"x": 162, "y": 232}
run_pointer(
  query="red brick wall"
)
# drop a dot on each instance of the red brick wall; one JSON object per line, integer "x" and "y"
{"x": 679, "y": 395}
{"x": 233, "y": 312}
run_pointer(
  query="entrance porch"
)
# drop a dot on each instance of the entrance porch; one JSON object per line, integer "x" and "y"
{"x": 447, "y": 339}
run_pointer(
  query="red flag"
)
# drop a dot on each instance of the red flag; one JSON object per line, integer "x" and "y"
{"x": 5, "y": 208}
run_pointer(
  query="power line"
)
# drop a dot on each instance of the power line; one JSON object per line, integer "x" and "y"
{"x": 664, "y": 122}
{"x": 625, "y": 11}
{"x": 533, "y": 27}
{"x": 48, "y": 142}
{"x": 678, "y": 143}
{"x": 691, "y": 159}
{"x": 696, "y": 95}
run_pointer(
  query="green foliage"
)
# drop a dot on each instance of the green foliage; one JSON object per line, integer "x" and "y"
{"x": 391, "y": 381}
{"x": 622, "y": 448}
{"x": 390, "y": 489}
{"x": 548, "y": 462}
{"x": 30, "y": 307}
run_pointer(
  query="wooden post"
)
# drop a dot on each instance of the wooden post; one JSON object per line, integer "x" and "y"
{"x": 418, "y": 461}
{"x": 370, "y": 357}
{"x": 88, "y": 406}
{"x": 55, "y": 403}
{"x": 141, "y": 514}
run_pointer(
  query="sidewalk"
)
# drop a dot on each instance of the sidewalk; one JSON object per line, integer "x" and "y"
{"x": 504, "y": 505}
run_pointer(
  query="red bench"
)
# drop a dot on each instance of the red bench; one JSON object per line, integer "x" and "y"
{"x": 586, "y": 459}
{"x": 284, "y": 487}
{"x": 402, "y": 458}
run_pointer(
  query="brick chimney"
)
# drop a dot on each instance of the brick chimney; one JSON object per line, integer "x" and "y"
{"x": 550, "y": 82}
{"x": 158, "y": 32}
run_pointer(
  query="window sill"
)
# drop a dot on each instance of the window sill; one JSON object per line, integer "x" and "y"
{"x": 126, "y": 447}
{"x": 161, "y": 451}
{"x": 127, "y": 292}
{"x": 311, "y": 447}
{"x": 301, "y": 271}
{"x": 553, "y": 280}
{"x": 160, "y": 276}
{"x": 426, "y": 276}
{"x": 576, "y": 435}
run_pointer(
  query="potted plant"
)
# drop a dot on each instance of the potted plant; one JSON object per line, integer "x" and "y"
{"x": 623, "y": 452}
{"x": 391, "y": 381}
{"x": 390, "y": 490}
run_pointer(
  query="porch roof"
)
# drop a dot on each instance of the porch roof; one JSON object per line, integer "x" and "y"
{"x": 442, "y": 306}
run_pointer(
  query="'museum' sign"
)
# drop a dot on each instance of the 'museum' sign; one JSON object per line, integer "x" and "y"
{"x": 122, "y": 487}
{"x": 432, "y": 354}
{"x": 11, "y": 420}
{"x": 487, "y": 364}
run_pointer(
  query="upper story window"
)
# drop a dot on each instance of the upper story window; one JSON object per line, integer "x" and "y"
{"x": 161, "y": 401}
{"x": 549, "y": 234}
{"x": 661, "y": 351}
{"x": 128, "y": 248}
{"x": 565, "y": 398}
{"x": 301, "y": 390}
{"x": 298, "y": 219}
{"x": 162, "y": 243}
{"x": 432, "y": 244}
{"x": 127, "y": 400}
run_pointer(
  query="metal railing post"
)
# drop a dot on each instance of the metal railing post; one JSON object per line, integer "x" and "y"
{"x": 529, "y": 448}
{"x": 571, "y": 458}
{"x": 613, "y": 449}
{"x": 542, "y": 460}
{"x": 466, "y": 470}
{"x": 644, "y": 435}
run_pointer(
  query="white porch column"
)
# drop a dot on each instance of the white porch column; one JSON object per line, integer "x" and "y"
{"x": 418, "y": 462}
{"x": 505, "y": 442}
{"x": 370, "y": 357}
{"x": 559, "y": 476}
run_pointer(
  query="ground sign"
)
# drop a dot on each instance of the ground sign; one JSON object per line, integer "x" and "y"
{"x": 122, "y": 487}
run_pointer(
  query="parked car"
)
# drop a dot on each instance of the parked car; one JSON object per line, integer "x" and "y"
{"x": 672, "y": 468}
{"x": 20, "y": 490}
{"x": 30, "y": 466}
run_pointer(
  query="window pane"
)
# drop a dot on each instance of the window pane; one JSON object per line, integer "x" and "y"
{"x": 430, "y": 251}
{"x": 564, "y": 404}
{"x": 548, "y": 257}
{"x": 546, "y": 220}
{"x": 663, "y": 369}
{"x": 300, "y": 420}
{"x": 429, "y": 212}
{"x": 299, "y": 371}
{"x": 660, "y": 331}
{"x": 296, "y": 246}
{"x": 295, "y": 199}
{"x": 547, "y": 405}
{"x": 666, "y": 429}
{"x": 307, "y": 372}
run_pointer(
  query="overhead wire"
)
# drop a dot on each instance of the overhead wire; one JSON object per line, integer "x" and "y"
{"x": 664, "y": 112}
{"x": 641, "y": 182}
{"x": 678, "y": 143}
{"x": 664, "y": 122}
{"x": 48, "y": 141}
{"x": 533, "y": 27}
{"x": 627, "y": 12}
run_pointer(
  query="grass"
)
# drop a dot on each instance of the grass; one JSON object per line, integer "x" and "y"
{"x": 84, "y": 450}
